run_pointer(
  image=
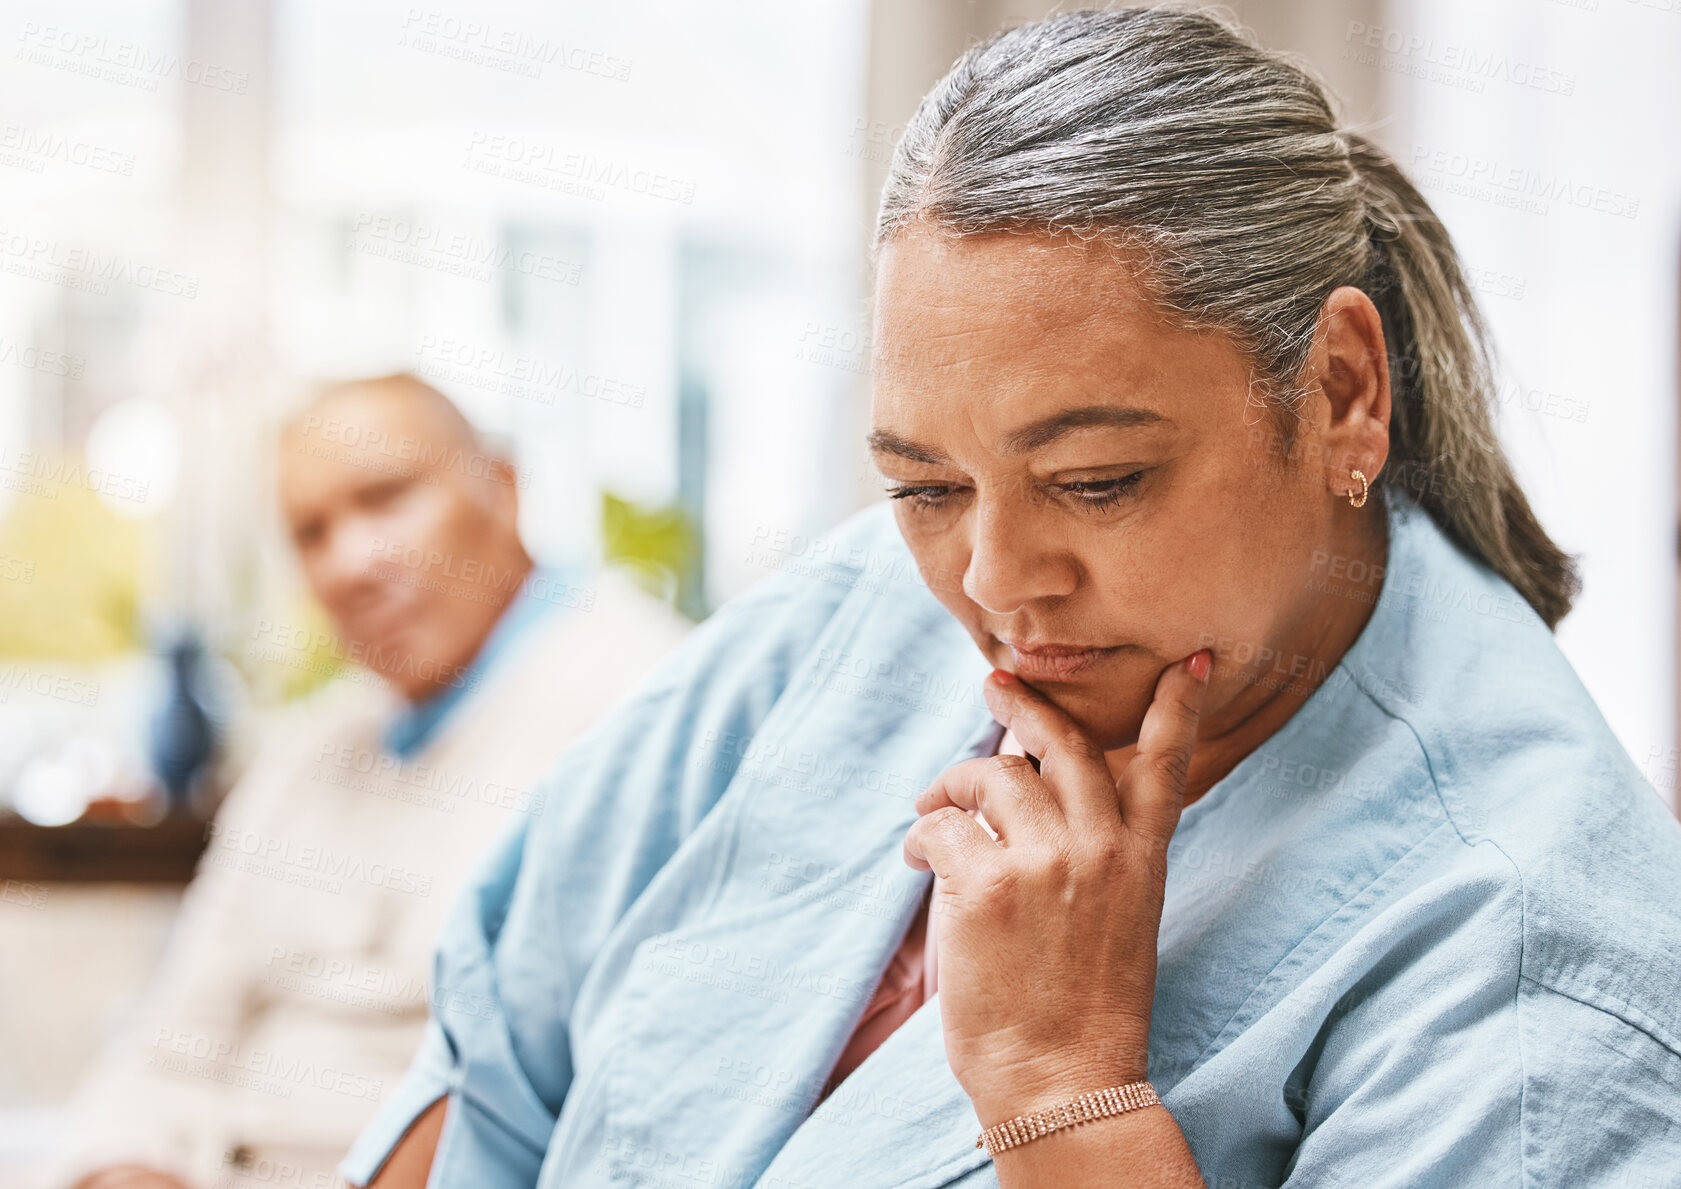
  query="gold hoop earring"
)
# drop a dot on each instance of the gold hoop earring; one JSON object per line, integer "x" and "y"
{"x": 1364, "y": 488}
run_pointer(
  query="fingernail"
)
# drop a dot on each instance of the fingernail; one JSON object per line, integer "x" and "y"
{"x": 1200, "y": 661}
{"x": 1004, "y": 677}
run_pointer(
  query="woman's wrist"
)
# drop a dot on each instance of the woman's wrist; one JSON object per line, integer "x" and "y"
{"x": 1021, "y": 1088}
{"x": 1137, "y": 1147}
{"x": 1093, "y": 1105}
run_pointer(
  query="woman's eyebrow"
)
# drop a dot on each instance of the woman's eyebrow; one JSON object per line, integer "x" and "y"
{"x": 882, "y": 441}
{"x": 1048, "y": 429}
{"x": 1030, "y": 437}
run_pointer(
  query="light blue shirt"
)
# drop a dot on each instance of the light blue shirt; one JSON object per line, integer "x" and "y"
{"x": 1425, "y": 935}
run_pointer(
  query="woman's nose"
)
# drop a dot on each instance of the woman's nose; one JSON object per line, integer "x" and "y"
{"x": 1012, "y": 561}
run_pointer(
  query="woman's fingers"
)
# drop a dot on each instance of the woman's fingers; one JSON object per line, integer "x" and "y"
{"x": 1073, "y": 786}
{"x": 1152, "y": 789}
{"x": 1073, "y": 767}
{"x": 1003, "y": 788}
{"x": 947, "y": 841}
{"x": 1070, "y": 764}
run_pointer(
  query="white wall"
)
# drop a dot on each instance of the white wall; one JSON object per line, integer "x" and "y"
{"x": 1545, "y": 134}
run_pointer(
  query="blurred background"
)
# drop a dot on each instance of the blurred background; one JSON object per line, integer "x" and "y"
{"x": 629, "y": 240}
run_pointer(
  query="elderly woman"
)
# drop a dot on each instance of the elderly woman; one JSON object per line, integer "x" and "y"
{"x": 1220, "y": 773}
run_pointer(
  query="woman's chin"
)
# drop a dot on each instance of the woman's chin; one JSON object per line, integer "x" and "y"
{"x": 1109, "y": 715}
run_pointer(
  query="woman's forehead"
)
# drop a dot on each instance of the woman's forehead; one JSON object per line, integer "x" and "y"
{"x": 1012, "y": 303}
{"x": 1029, "y": 268}
{"x": 1013, "y": 329}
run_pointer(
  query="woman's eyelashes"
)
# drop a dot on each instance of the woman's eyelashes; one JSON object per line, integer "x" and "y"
{"x": 1086, "y": 494}
{"x": 1103, "y": 493}
{"x": 920, "y": 496}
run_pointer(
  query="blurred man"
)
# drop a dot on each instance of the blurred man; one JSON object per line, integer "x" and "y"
{"x": 295, "y": 988}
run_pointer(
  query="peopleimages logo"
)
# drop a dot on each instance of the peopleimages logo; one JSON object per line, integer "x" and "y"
{"x": 1457, "y": 58}
{"x": 460, "y": 253}
{"x": 42, "y": 259}
{"x": 33, "y": 148}
{"x": 452, "y": 786}
{"x": 34, "y": 359}
{"x": 355, "y": 442}
{"x": 64, "y": 472}
{"x": 474, "y": 573}
{"x": 228, "y": 841}
{"x": 285, "y": 638}
{"x": 455, "y": 361}
{"x": 123, "y": 61}
{"x": 519, "y": 159}
{"x": 1493, "y": 180}
{"x": 512, "y": 50}
{"x": 56, "y": 686}
{"x": 278, "y": 1072}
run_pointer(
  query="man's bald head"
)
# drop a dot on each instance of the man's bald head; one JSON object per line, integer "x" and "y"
{"x": 401, "y": 404}
{"x": 405, "y": 524}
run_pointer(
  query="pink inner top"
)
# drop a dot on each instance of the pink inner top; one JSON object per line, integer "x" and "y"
{"x": 910, "y": 979}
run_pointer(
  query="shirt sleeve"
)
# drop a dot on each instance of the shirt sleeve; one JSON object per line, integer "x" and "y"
{"x": 1602, "y": 1099}
{"x": 428, "y": 1078}
{"x": 521, "y": 936}
{"x": 1419, "y": 1084}
{"x": 1456, "y": 1070}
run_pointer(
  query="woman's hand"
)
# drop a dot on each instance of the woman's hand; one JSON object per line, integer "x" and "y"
{"x": 1046, "y": 943}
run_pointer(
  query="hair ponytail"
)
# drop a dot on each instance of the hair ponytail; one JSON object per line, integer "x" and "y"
{"x": 1443, "y": 449}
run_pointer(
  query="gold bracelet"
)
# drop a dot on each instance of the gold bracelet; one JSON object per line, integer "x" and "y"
{"x": 1099, "y": 1104}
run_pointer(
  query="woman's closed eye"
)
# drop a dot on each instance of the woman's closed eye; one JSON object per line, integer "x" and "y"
{"x": 1103, "y": 493}
{"x": 1090, "y": 494}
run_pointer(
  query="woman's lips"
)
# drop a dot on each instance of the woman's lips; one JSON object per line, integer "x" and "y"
{"x": 1056, "y": 662}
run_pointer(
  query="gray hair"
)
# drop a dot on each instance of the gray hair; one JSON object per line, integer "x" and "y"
{"x": 1173, "y": 132}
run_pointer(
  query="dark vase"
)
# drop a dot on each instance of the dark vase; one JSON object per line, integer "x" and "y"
{"x": 183, "y": 736}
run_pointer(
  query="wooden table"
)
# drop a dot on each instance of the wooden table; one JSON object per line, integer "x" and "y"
{"x": 101, "y": 852}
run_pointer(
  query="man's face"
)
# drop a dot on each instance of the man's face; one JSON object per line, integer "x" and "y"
{"x": 1092, "y": 493}
{"x": 405, "y": 531}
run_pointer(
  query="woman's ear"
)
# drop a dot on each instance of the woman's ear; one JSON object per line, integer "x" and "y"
{"x": 1350, "y": 365}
